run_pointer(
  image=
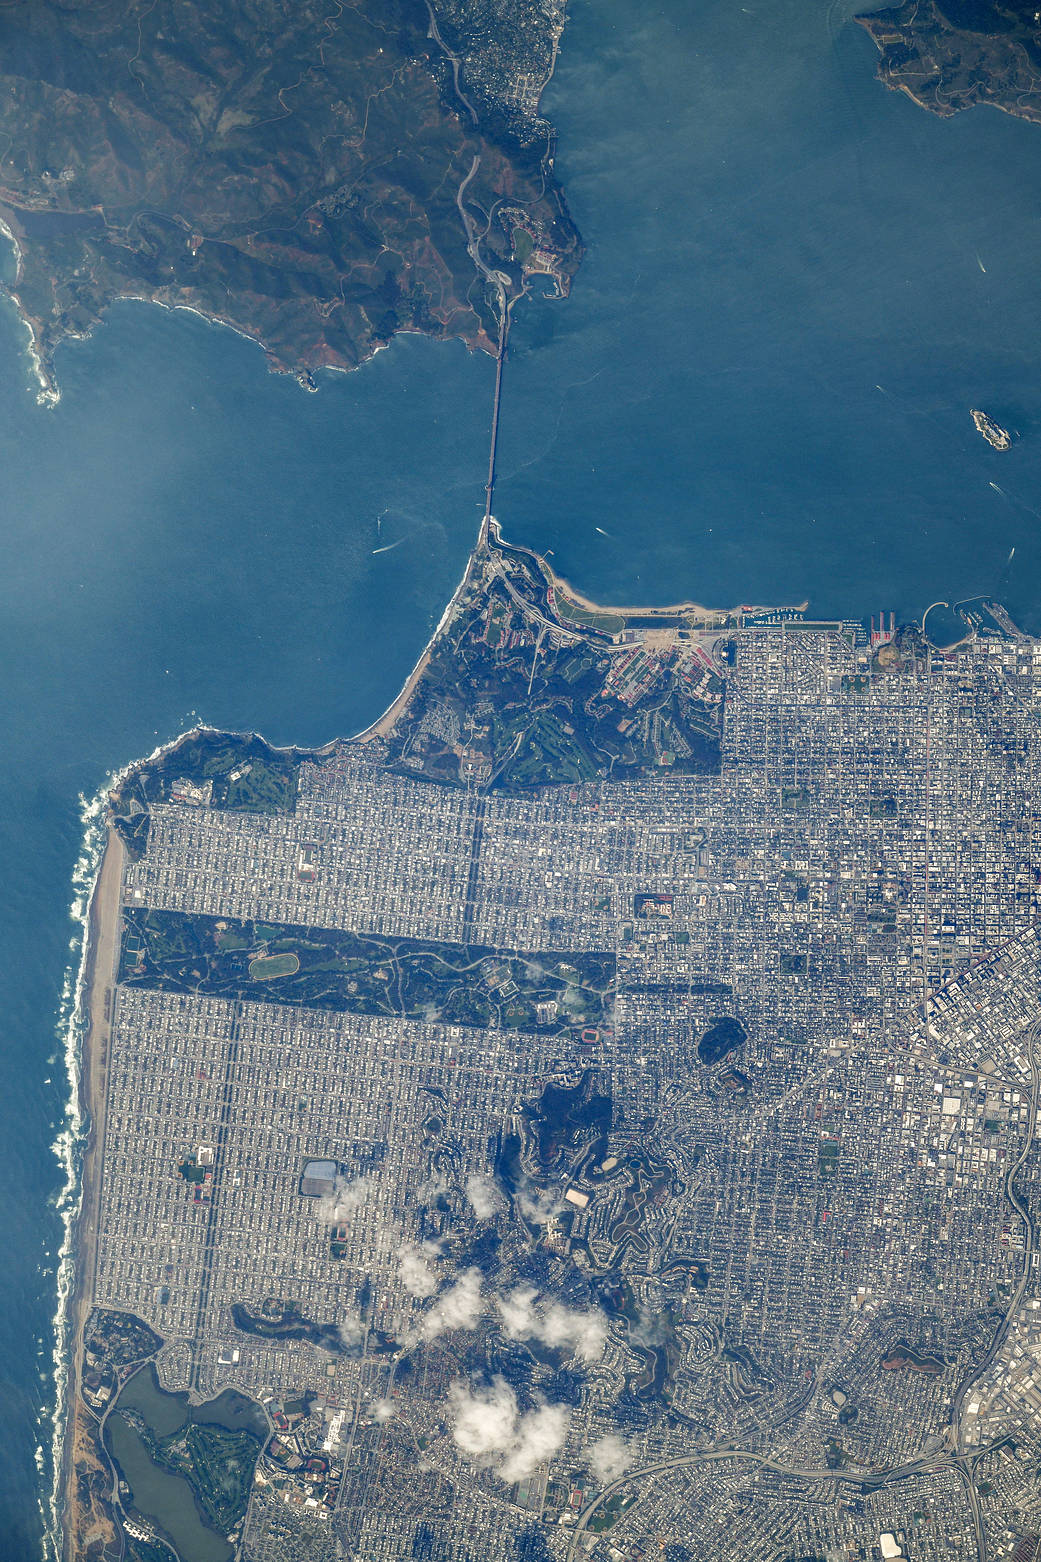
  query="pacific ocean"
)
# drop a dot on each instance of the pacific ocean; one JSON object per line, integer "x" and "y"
{"x": 797, "y": 285}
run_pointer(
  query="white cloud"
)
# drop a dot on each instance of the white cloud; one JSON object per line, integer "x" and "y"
{"x": 348, "y": 1195}
{"x": 518, "y": 1314}
{"x": 485, "y": 1421}
{"x": 540, "y": 1434}
{"x": 430, "y": 1191}
{"x": 489, "y": 1430}
{"x": 457, "y": 1308}
{"x": 651, "y": 1328}
{"x": 484, "y": 1196}
{"x": 538, "y": 1205}
{"x": 417, "y": 1276}
{"x": 608, "y": 1458}
{"x": 383, "y": 1410}
{"x": 585, "y": 1333}
{"x": 352, "y": 1331}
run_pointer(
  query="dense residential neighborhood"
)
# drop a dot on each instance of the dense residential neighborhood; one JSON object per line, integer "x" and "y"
{"x": 727, "y": 1253}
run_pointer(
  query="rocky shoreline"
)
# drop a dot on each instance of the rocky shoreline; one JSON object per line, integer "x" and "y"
{"x": 250, "y": 220}
{"x": 945, "y": 68}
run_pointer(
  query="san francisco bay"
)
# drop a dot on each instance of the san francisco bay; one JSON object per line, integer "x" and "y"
{"x": 797, "y": 286}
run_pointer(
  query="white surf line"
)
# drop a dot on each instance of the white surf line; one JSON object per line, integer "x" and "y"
{"x": 68, "y": 1146}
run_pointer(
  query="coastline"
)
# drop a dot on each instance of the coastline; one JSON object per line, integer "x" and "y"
{"x": 69, "y": 1521}
{"x": 48, "y": 392}
{"x": 82, "y": 1516}
{"x": 101, "y": 952}
{"x": 79, "y": 1519}
{"x": 675, "y": 610}
{"x": 873, "y": 23}
{"x": 383, "y": 724}
{"x": 490, "y": 528}
{"x": 696, "y": 610}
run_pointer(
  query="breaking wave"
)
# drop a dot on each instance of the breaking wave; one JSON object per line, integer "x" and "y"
{"x": 68, "y": 1147}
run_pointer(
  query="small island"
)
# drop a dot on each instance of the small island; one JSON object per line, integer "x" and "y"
{"x": 992, "y": 432}
{"x": 948, "y": 56}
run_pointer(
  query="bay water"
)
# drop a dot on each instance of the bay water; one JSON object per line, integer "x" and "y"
{"x": 797, "y": 286}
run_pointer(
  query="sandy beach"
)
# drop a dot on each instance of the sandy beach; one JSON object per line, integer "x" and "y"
{"x": 380, "y": 728}
{"x": 695, "y": 611}
{"x": 103, "y": 942}
{"x": 707, "y": 617}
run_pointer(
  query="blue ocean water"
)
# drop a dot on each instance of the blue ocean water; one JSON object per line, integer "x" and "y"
{"x": 797, "y": 285}
{"x": 183, "y": 534}
{"x": 773, "y": 237}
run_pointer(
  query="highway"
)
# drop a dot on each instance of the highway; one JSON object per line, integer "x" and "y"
{"x": 959, "y": 1459}
{"x": 498, "y": 282}
{"x": 924, "y": 1463}
{"x": 963, "y": 1455}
